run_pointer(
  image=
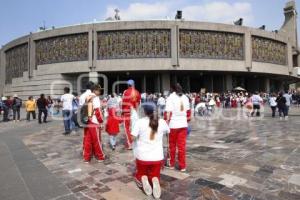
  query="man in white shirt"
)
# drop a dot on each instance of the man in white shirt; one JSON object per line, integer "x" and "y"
{"x": 88, "y": 92}
{"x": 67, "y": 100}
{"x": 178, "y": 114}
{"x": 288, "y": 98}
{"x": 256, "y": 101}
{"x": 161, "y": 103}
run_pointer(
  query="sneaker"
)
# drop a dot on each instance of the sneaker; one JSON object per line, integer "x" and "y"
{"x": 113, "y": 147}
{"x": 100, "y": 160}
{"x": 86, "y": 161}
{"x": 170, "y": 167}
{"x": 156, "y": 188}
{"x": 183, "y": 170}
{"x": 146, "y": 186}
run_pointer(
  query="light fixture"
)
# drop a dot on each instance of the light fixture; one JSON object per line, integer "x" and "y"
{"x": 178, "y": 14}
{"x": 239, "y": 22}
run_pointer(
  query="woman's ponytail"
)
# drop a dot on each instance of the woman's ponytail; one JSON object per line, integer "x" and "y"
{"x": 153, "y": 123}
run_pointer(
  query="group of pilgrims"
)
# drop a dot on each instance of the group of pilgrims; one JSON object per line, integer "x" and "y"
{"x": 144, "y": 134}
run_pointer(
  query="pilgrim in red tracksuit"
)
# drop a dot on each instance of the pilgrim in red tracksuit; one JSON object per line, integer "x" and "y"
{"x": 92, "y": 139}
{"x": 179, "y": 111}
{"x": 130, "y": 100}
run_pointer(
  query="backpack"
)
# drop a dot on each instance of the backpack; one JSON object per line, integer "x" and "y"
{"x": 84, "y": 114}
{"x": 18, "y": 102}
{"x": 84, "y": 118}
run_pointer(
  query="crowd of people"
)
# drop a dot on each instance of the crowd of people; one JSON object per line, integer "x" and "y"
{"x": 10, "y": 108}
{"x": 163, "y": 114}
{"x": 143, "y": 135}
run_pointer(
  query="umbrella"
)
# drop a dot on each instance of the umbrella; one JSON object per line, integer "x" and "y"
{"x": 239, "y": 89}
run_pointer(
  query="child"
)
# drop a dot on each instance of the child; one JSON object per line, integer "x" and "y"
{"x": 113, "y": 120}
{"x": 148, "y": 133}
{"x": 92, "y": 140}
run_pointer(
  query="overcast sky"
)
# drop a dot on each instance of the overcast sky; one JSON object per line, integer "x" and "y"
{"x": 19, "y": 17}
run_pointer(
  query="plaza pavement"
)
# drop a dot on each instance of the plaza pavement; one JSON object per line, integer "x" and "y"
{"x": 229, "y": 156}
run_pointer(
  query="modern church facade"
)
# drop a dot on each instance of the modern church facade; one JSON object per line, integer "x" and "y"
{"x": 211, "y": 56}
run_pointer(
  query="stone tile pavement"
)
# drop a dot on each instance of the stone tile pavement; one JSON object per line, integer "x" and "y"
{"x": 229, "y": 157}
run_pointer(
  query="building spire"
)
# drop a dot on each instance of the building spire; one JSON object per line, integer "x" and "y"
{"x": 289, "y": 26}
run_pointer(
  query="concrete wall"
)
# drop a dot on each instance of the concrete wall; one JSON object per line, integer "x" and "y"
{"x": 2, "y": 72}
{"x": 36, "y": 80}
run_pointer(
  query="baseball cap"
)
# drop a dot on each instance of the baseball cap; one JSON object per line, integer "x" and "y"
{"x": 130, "y": 82}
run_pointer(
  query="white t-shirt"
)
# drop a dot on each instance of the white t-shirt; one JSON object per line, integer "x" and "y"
{"x": 67, "y": 100}
{"x": 173, "y": 104}
{"x": 272, "y": 101}
{"x": 83, "y": 97}
{"x": 96, "y": 105}
{"x": 288, "y": 98}
{"x": 146, "y": 149}
{"x": 256, "y": 99}
{"x": 161, "y": 101}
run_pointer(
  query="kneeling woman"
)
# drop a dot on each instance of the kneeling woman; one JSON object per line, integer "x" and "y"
{"x": 148, "y": 134}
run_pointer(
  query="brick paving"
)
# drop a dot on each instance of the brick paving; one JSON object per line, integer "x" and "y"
{"x": 230, "y": 157}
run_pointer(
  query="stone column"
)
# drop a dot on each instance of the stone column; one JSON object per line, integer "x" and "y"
{"x": 248, "y": 51}
{"x": 157, "y": 83}
{"x": 144, "y": 84}
{"x": 165, "y": 82}
{"x": 2, "y": 71}
{"x": 186, "y": 83}
{"x": 290, "y": 58}
{"x": 228, "y": 82}
{"x": 91, "y": 51}
{"x": 32, "y": 59}
{"x": 95, "y": 47}
{"x": 175, "y": 46}
{"x": 267, "y": 85}
{"x": 93, "y": 76}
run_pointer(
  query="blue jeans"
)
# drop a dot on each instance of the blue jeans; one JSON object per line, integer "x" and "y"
{"x": 286, "y": 110}
{"x": 112, "y": 140}
{"x": 67, "y": 120}
{"x": 162, "y": 110}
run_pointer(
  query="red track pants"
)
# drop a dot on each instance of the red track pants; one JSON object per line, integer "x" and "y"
{"x": 177, "y": 140}
{"x": 127, "y": 123}
{"x": 147, "y": 168}
{"x": 92, "y": 143}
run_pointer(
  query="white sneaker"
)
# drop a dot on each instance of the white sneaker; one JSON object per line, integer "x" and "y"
{"x": 169, "y": 167}
{"x": 156, "y": 188}
{"x": 146, "y": 186}
{"x": 183, "y": 170}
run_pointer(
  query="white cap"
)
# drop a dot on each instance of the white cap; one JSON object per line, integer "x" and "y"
{"x": 15, "y": 95}
{"x": 4, "y": 98}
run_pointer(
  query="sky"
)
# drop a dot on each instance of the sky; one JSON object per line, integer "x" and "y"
{"x": 19, "y": 17}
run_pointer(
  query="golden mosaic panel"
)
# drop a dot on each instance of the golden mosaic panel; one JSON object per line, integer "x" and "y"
{"x": 211, "y": 45}
{"x": 134, "y": 44}
{"x": 16, "y": 62}
{"x": 269, "y": 51}
{"x": 66, "y": 48}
